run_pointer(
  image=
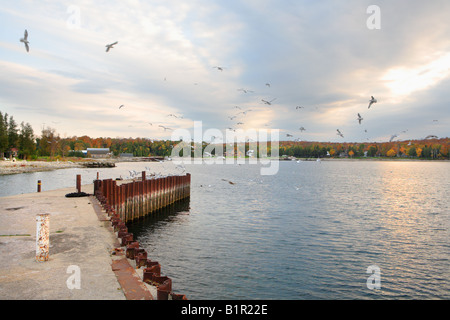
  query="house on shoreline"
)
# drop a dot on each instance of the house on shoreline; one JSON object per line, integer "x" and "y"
{"x": 98, "y": 152}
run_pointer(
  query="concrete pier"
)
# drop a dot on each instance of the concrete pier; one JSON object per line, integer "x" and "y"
{"x": 78, "y": 237}
{"x": 91, "y": 255}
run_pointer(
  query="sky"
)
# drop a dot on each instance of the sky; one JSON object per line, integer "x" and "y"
{"x": 319, "y": 62}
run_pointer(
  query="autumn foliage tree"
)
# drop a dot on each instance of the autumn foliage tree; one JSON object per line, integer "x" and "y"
{"x": 49, "y": 143}
{"x": 391, "y": 153}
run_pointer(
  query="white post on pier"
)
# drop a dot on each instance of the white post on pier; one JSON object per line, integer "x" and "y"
{"x": 42, "y": 236}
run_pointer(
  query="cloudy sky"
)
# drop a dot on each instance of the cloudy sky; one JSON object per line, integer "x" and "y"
{"x": 327, "y": 57}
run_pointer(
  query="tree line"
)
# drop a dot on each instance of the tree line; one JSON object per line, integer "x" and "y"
{"x": 21, "y": 141}
{"x": 15, "y": 140}
{"x": 421, "y": 149}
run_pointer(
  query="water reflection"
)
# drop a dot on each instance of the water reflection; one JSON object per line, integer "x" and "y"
{"x": 309, "y": 232}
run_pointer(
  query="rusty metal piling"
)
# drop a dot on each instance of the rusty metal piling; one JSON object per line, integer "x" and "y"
{"x": 134, "y": 200}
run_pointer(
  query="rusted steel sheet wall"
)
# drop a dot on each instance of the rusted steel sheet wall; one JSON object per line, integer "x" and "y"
{"x": 137, "y": 199}
{"x": 134, "y": 200}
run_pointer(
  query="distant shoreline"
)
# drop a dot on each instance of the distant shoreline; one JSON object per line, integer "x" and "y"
{"x": 22, "y": 166}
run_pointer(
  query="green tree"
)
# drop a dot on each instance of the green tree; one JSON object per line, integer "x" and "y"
{"x": 13, "y": 134}
{"x": 372, "y": 151}
{"x": 27, "y": 144}
{"x": 3, "y": 134}
{"x": 412, "y": 152}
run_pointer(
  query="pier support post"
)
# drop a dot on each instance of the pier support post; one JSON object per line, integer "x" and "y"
{"x": 39, "y": 186}
{"x": 78, "y": 183}
{"x": 42, "y": 236}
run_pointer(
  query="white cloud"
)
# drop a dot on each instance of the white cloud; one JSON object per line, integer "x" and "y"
{"x": 314, "y": 54}
{"x": 405, "y": 80}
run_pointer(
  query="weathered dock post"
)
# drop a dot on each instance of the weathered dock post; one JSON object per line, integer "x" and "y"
{"x": 78, "y": 183}
{"x": 39, "y": 186}
{"x": 42, "y": 237}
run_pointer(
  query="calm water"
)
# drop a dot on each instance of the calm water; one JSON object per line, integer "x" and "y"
{"x": 308, "y": 232}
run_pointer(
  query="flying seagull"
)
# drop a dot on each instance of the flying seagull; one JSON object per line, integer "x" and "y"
{"x": 268, "y": 84}
{"x": 230, "y": 182}
{"x": 393, "y": 137}
{"x": 110, "y": 46}
{"x": 302, "y": 129}
{"x": 431, "y": 137}
{"x": 268, "y": 102}
{"x": 289, "y": 135}
{"x": 25, "y": 40}
{"x": 244, "y": 90}
{"x": 243, "y": 112}
{"x": 372, "y": 101}
{"x": 165, "y": 128}
{"x": 359, "y": 118}
{"x": 219, "y": 68}
{"x": 121, "y": 106}
{"x": 339, "y": 133}
{"x": 175, "y": 116}
{"x": 298, "y": 107}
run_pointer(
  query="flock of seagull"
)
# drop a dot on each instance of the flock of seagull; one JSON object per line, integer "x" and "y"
{"x": 372, "y": 100}
{"x": 360, "y": 118}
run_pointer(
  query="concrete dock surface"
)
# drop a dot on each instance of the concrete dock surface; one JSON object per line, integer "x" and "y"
{"x": 82, "y": 243}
